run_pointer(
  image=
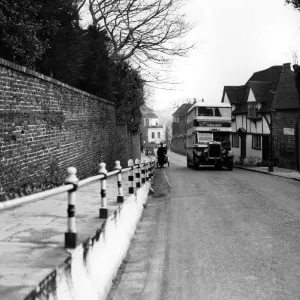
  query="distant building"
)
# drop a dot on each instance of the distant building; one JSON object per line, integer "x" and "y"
{"x": 179, "y": 121}
{"x": 179, "y": 128}
{"x": 152, "y": 131}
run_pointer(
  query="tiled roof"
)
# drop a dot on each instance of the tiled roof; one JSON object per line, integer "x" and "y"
{"x": 182, "y": 110}
{"x": 275, "y": 84}
{"x": 150, "y": 115}
{"x": 147, "y": 112}
{"x": 263, "y": 93}
{"x": 271, "y": 74}
{"x": 236, "y": 94}
{"x": 262, "y": 90}
{"x": 242, "y": 109}
{"x": 286, "y": 96}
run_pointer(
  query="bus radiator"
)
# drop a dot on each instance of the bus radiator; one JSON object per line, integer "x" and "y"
{"x": 214, "y": 150}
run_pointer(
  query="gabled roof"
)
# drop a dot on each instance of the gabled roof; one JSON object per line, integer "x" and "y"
{"x": 236, "y": 94}
{"x": 242, "y": 109}
{"x": 262, "y": 91}
{"x": 182, "y": 110}
{"x": 271, "y": 74}
{"x": 147, "y": 112}
{"x": 274, "y": 85}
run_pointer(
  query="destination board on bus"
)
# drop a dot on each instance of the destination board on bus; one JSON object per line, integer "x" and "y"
{"x": 214, "y": 125}
{"x": 211, "y": 124}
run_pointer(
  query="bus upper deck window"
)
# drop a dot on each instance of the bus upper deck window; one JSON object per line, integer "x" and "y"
{"x": 217, "y": 112}
{"x": 205, "y": 111}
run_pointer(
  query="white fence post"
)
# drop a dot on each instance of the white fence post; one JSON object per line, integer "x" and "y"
{"x": 103, "y": 213}
{"x": 153, "y": 167}
{"x": 146, "y": 170}
{"x": 71, "y": 234}
{"x": 120, "y": 197}
{"x": 143, "y": 167}
{"x": 138, "y": 174}
{"x": 130, "y": 177}
{"x": 150, "y": 170}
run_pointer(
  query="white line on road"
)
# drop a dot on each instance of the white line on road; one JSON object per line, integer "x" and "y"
{"x": 168, "y": 181}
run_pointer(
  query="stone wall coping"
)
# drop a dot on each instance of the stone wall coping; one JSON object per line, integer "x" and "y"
{"x": 30, "y": 72}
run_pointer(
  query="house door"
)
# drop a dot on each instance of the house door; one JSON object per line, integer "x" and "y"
{"x": 265, "y": 148}
{"x": 243, "y": 146}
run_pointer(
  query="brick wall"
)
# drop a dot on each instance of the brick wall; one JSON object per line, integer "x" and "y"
{"x": 47, "y": 126}
{"x": 284, "y": 145}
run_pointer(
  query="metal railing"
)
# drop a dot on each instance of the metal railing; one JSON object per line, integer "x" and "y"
{"x": 143, "y": 172}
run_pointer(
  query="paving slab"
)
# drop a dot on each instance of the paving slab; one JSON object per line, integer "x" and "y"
{"x": 32, "y": 235}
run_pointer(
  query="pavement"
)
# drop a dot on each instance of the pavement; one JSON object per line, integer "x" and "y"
{"x": 32, "y": 235}
{"x": 281, "y": 172}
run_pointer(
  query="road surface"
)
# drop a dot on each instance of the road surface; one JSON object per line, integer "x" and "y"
{"x": 211, "y": 234}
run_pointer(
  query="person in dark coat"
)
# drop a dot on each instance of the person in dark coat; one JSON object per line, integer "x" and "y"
{"x": 161, "y": 150}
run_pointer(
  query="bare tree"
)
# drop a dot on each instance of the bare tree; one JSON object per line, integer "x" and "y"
{"x": 295, "y": 57}
{"x": 176, "y": 103}
{"x": 80, "y": 4}
{"x": 142, "y": 30}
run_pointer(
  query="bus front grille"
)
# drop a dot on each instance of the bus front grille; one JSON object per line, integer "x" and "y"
{"x": 214, "y": 150}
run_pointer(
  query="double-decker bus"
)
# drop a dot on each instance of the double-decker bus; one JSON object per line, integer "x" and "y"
{"x": 208, "y": 132}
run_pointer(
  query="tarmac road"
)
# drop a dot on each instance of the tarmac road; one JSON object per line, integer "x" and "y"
{"x": 211, "y": 234}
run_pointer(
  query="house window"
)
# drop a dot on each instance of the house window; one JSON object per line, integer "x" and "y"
{"x": 153, "y": 135}
{"x": 252, "y": 110}
{"x": 256, "y": 142}
{"x": 235, "y": 140}
{"x": 158, "y": 134}
{"x": 176, "y": 119}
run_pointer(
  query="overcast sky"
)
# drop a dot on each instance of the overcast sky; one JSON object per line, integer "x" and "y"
{"x": 235, "y": 39}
